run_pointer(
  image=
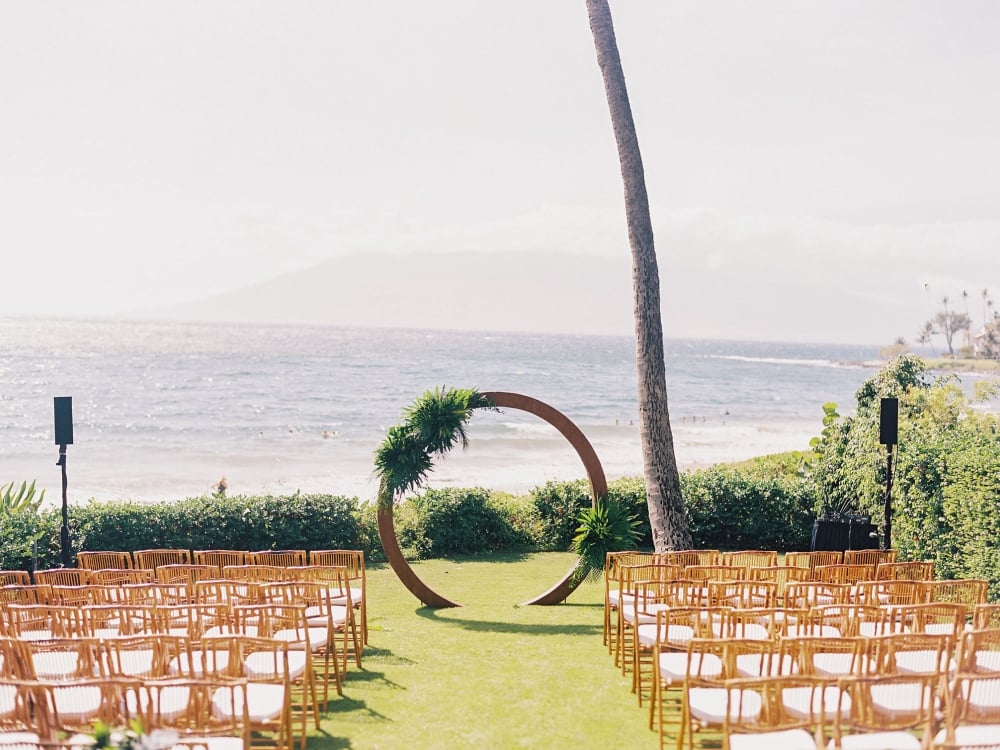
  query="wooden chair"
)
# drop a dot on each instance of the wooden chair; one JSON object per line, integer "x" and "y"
{"x": 972, "y": 713}
{"x": 787, "y": 712}
{"x": 715, "y": 572}
{"x": 151, "y": 559}
{"x": 849, "y": 620}
{"x": 200, "y": 710}
{"x": 884, "y": 709}
{"x": 337, "y": 621}
{"x": 270, "y": 669}
{"x": 702, "y": 664}
{"x": 287, "y": 623}
{"x": 611, "y": 593}
{"x": 353, "y": 561}
{"x": 25, "y": 594}
{"x": 630, "y": 579}
{"x": 64, "y": 576}
{"x": 670, "y": 629}
{"x": 939, "y": 618}
{"x": 96, "y": 560}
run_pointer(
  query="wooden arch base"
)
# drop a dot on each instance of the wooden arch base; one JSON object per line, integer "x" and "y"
{"x": 598, "y": 488}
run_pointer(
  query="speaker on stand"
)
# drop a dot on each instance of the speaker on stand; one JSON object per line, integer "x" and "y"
{"x": 63, "y": 408}
{"x": 888, "y": 435}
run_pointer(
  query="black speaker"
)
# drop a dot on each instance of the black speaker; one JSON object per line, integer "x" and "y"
{"x": 64, "y": 419}
{"x": 888, "y": 424}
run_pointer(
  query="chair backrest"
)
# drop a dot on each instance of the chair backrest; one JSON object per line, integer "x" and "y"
{"x": 64, "y": 576}
{"x": 911, "y": 653}
{"x": 95, "y": 560}
{"x": 979, "y": 652}
{"x": 154, "y": 558}
{"x": 806, "y": 594}
{"x": 986, "y": 617}
{"x": 283, "y": 558}
{"x": 968, "y": 591}
{"x": 910, "y": 571}
{"x": 882, "y": 703}
{"x": 260, "y": 573}
{"x": 826, "y": 656}
{"x": 186, "y": 573}
{"x": 14, "y": 577}
{"x": 753, "y": 558}
{"x": 870, "y": 556}
{"x": 121, "y": 576}
{"x": 220, "y": 557}
{"x": 973, "y": 699}
{"x": 25, "y": 594}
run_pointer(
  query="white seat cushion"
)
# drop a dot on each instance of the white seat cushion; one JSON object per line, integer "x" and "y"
{"x": 677, "y": 635}
{"x": 785, "y": 739}
{"x": 796, "y": 701}
{"x": 879, "y": 741}
{"x": 674, "y": 666}
{"x": 708, "y": 705}
{"x": 172, "y": 702}
{"x": 77, "y": 703}
{"x": 973, "y": 734}
{"x": 214, "y": 661}
{"x": 265, "y": 702}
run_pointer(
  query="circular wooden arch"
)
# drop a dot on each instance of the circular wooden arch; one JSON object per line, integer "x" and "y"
{"x": 598, "y": 489}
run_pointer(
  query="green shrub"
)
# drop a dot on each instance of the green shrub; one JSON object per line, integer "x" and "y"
{"x": 732, "y": 509}
{"x": 558, "y": 505}
{"x": 453, "y": 521}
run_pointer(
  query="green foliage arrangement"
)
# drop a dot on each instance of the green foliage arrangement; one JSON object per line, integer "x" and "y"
{"x": 605, "y": 527}
{"x": 431, "y": 427}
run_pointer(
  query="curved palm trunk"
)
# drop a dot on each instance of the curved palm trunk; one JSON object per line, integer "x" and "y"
{"x": 663, "y": 488}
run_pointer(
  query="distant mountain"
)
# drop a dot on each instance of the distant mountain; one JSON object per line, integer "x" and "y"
{"x": 533, "y": 292}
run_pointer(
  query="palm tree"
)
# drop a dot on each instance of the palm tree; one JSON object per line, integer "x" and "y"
{"x": 663, "y": 486}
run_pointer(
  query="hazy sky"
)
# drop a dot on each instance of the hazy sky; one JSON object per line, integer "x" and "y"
{"x": 837, "y": 153}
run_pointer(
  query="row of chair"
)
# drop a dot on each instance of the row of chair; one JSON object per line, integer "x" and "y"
{"x": 115, "y": 568}
{"x": 768, "y": 622}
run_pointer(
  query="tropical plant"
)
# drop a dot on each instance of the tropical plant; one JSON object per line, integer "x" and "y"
{"x": 605, "y": 527}
{"x": 431, "y": 427}
{"x": 663, "y": 485}
{"x": 19, "y": 520}
{"x": 19, "y": 499}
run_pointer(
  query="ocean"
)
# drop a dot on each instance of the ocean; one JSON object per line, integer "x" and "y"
{"x": 165, "y": 410}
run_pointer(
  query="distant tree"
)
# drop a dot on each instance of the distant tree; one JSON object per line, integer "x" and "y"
{"x": 663, "y": 485}
{"x": 896, "y": 348}
{"x": 946, "y": 323}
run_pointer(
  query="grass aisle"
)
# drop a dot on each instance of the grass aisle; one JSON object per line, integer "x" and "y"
{"x": 490, "y": 674}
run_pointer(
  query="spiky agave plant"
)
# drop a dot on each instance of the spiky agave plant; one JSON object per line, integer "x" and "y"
{"x": 605, "y": 527}
{"x": 431, "y": 427}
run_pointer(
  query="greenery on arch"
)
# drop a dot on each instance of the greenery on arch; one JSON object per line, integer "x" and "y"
{"x": 432, "y": 425}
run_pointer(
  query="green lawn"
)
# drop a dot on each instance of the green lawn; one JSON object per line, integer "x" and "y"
{"x": 490, "y": 674}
